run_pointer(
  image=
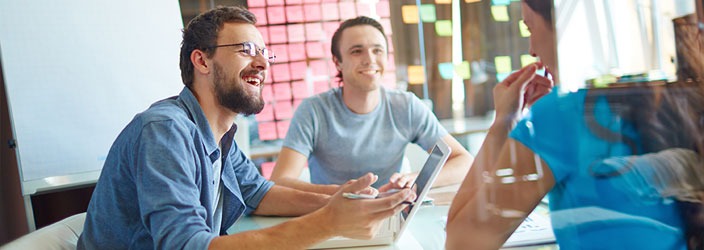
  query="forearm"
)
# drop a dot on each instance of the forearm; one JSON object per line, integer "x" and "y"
{"x": 306, "y": 186}
{"x": 486, "y": 157}
{"x": 284, "y": 201}
{"x": 454, "y": 170}
{"x": 297, "y": 233}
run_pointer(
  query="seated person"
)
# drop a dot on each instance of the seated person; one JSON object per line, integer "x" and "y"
{"x": 175, "y": 178}
{"x": 361, "y": 126}
{"x": 617, "y": 163}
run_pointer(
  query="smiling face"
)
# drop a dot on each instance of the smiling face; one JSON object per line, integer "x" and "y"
{"x": 238, "y": 77}
{"x": 363, "y": 57}
{"x": 542, "y": 36}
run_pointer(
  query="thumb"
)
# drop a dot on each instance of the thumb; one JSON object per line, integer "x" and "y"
{"x": 359, "y": 184}
{"x": 524, "y": 78}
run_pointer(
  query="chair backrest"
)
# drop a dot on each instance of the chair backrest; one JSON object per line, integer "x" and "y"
{"x": 60, "y": 235}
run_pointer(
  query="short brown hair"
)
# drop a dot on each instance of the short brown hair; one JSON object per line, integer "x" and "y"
{"x": 202, "y": 32}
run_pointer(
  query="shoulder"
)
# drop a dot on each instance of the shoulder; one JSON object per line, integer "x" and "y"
{"x": 167, "y": 112}
{"x": 399, "y": 97}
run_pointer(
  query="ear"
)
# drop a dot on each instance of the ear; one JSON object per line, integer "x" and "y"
{"x": 200, "y": 61}
{"x": 337, "y": 63}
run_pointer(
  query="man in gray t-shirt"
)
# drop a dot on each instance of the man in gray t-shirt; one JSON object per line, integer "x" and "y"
{"x": 361, "y": 127}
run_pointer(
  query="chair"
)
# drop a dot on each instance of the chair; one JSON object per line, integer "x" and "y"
{"x": 60, "y": 235}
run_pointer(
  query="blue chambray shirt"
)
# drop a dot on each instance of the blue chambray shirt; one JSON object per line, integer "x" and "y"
{"x": 156, "y": 187}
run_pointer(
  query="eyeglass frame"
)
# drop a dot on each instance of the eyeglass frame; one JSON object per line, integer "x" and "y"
{"x": 253, "y": 50}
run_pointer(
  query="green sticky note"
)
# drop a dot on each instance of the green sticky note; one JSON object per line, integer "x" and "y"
{"x": 500, "y": 13}
{"x": 446, "y": 70}
{"x": 427, "y": 13}
{"x": 443, "y": 27}
{"x": 500, "y": 2}
{"x": 462, "y": 70}
{"x": 503, "y": 64}
{"x": 523, "y": 28}
{"x": 527, "y": 59}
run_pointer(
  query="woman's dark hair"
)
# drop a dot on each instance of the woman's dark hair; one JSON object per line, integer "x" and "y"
{"x": 360, "y": 20}
{"x": 202, "y": 32}
{"x": 665, "y": 115}
{"x": 542, "y": 7}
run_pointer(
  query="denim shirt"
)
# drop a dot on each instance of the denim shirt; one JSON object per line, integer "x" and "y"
{"x": 156, "y": 187}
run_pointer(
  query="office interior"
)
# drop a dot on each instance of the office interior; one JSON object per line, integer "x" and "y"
{"x": 450, "y": 53}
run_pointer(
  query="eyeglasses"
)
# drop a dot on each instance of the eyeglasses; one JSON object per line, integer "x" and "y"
{"x": 251, "y": 49}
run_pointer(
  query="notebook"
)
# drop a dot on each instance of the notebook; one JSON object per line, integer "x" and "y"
{"x": 394, "y": 226}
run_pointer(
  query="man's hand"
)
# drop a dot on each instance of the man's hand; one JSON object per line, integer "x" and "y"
{"x": 399, "y": 181}
{"x": 361, "y": 218}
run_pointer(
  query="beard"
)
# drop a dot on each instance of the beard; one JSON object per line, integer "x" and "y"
{"x": 232, "y": 95}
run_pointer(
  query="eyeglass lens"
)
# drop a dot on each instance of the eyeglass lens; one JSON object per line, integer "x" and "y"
{"x": 251, "y": 49}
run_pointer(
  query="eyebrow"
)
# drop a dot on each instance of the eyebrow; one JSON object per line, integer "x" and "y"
{"x": 359, "y": 46}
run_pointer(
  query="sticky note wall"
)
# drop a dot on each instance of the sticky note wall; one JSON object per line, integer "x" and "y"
{"x": 299, "y": 33}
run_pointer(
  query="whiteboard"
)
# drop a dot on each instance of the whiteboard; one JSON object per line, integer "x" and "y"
{"x": 75, "y": 74}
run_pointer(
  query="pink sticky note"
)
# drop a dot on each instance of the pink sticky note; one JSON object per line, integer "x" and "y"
{"x": 267, "y": 169}
{"x": 283, "y": 110}
{"x": 275, "y": 2}
{"x": 281, "y": 52}
{"x": 299, "y": 90}
{"x": 294, "y": 13}
{"x": 267, "y": 93}
{"x": 260, "y": 13}
{"x": 281, "y": 72}
{"x": 265, "y": 33}
{"x": 319, "y": 68}
{"x": 330, "y": 12}
{"x": 315, "y": 50}
{"x": 298, "y": 70}
{"x": 282, "y": 128}
{"x": 391, "y": 63}
{"x": 276, "y": 14}
{"x": 330, "y": 28}
{"x": 277, "y": 34}
{"x": 313, "y": 12}
{"x": 311, "y": 1}
{"x": 347, "y": 10}
{"x": 314, "y": 32}
{"x": 267, "y": 131}
{"x": 267, "y": 78}
{"x": 296, "y": 52}
{"x": 364, "y": 9}
{"x": 320, "y": 87}
{"x": 256, "y": 3}
{"x": 382, "y": 9}
{"x": 291, "y": 2}
{"x": 282, "y": 92}
{"x": 267, "y": 114}
{"x": 386, "y": 23}
{"x": 296, "y": 33}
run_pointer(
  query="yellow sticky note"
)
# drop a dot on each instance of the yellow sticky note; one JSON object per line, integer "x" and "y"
{"x": 409, "y": 13}
{"x": 416, "y": 74}
{"x": 500, "y": 13}
{"x": 472, "y": 1}
{"x": 503, "y": 64}
{"x": 462, "y": 70}
{"x": 443, "y": 1}
{"x": 527, "y": 59}
{"x": 524, "y": 29}
{"x": 443, "y": 27}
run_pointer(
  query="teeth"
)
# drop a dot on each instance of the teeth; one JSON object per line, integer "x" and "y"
{"x": 252, "y": 80}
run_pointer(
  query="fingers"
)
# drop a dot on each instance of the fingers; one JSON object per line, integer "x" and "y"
{"x": 515, "y": 75}
{"x": 354, "y": 186}
{"x": 524, "y": 78}
{"x": 390, "y": 202}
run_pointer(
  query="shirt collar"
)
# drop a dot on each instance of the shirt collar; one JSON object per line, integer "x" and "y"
{"x": 198, "y": 117}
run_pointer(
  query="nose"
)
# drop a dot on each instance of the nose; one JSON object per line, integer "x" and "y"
{"x": 368, "y": 57}
{"x": 260, "y": 62}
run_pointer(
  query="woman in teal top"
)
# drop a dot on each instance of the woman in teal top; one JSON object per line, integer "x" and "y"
{"x": 623, "y": 166}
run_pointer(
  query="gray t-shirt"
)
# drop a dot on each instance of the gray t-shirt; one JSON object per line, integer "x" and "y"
{"x": 341, "y": 145}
